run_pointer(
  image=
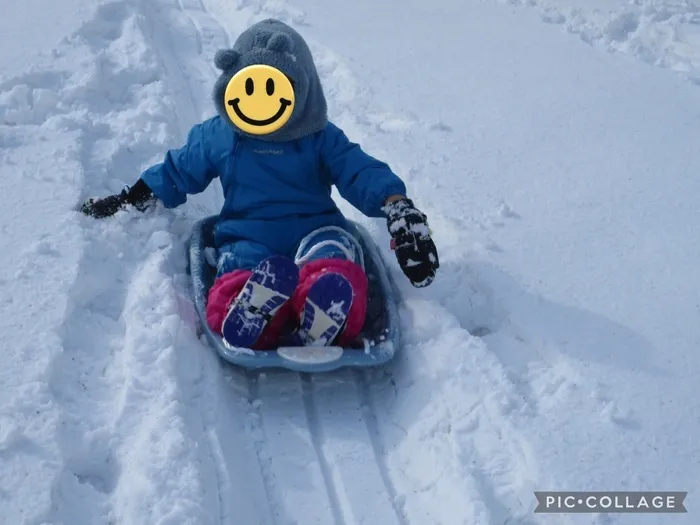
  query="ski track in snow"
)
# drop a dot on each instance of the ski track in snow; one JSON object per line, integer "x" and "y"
{"x": 149, "y": 427}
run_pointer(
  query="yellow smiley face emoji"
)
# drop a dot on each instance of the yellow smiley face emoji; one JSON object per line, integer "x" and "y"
{"x": 259, "y": 99}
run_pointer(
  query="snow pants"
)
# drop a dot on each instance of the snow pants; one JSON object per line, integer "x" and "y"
{"x": 329, "y": 249}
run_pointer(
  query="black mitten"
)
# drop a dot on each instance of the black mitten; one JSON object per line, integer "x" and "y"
{"x": 414, "y": 248}
{"x": 139, "y": 195}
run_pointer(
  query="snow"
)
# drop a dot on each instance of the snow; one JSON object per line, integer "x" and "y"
{"x": 552, "y": 145}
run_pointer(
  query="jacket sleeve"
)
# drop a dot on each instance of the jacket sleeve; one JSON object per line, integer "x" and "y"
{"x": 187, "y": 170}
{"x": 362, "y": 180}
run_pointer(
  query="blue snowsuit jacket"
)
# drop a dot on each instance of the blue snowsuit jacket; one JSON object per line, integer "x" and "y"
{"x": 275, "y": 192}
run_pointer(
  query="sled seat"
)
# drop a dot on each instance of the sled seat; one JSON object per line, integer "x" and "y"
{"x": 375, "y": 346}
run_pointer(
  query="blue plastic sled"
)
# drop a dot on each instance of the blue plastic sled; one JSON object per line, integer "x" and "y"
{"x": 380, "y": 337}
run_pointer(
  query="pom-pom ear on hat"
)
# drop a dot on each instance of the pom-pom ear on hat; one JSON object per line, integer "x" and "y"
{"x": 280, "y": 42}
{"x": 226, "y": 59}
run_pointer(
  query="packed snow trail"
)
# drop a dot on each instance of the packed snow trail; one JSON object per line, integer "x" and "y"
{"x": 113, "y": 411}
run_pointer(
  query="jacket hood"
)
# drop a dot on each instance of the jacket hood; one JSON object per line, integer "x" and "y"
{"x": 274, "y": 43}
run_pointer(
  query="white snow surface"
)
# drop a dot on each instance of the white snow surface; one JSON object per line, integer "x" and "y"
{"x": 558, "y": 349}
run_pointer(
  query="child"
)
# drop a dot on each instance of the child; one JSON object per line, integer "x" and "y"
{"x": 284, "y": 255}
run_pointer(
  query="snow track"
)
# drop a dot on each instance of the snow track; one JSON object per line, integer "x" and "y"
{"x": 317, "y": 450}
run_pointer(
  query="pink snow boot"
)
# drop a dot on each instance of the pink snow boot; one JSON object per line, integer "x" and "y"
{"x": 223, "y": 296}
{"x": 330, "y": 302}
